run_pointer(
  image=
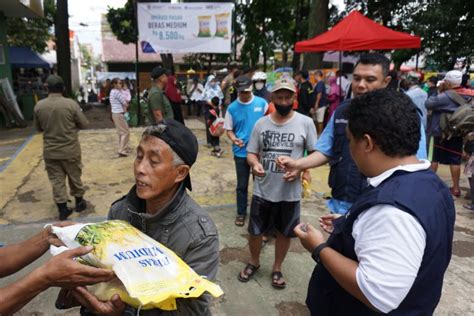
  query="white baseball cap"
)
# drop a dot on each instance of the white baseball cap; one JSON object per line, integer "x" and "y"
{"x": 454, "y": 77}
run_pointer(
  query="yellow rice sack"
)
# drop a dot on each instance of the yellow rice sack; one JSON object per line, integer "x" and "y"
{"x": 150, "y": 275}
{"x": 204, "y": 26}
{"x": 221, "y": 25}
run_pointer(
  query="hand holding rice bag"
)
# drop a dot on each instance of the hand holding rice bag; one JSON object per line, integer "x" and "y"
{"x": 150, "y": 275}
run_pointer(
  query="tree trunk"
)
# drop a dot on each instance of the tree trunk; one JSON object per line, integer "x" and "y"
{"x": 167, "y": 60}
{"x": 63, "y": 50}
{"x": 284, "y": 56}
{"x": 209, "y": 66}
{"x": 295, "y": 62}
{"x": 318, "y": 23}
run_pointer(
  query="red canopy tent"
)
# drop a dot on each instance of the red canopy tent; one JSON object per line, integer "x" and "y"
{"x": 357, "y": 32}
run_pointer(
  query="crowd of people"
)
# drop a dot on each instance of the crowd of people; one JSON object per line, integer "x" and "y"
{"x": 387, "y": 251}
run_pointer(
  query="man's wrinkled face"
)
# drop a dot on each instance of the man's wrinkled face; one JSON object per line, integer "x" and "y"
{"x": 367, "y": 78}
{"x": 154, "y": 171}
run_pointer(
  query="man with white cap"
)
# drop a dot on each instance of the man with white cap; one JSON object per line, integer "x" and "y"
{"x": 447, "y": 151}
{"x": 276, "y": 201}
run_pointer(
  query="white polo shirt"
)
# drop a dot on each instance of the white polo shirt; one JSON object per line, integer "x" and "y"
{"x": 389, "y": 244}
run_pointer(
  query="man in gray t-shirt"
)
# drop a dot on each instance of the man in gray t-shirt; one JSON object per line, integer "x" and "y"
{"x": 276, "y": 201}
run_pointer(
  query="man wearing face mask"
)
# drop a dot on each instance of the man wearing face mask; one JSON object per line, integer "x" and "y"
{"x": 275, "y": 201}
{"x": 259, "y": 80}
{"x": 240, "y": 118}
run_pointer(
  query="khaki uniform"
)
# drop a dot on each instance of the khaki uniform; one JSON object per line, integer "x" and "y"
{"x": 60, "y": 119}
{"x": 228, "y": 80}
{"x": 157, "y": 100}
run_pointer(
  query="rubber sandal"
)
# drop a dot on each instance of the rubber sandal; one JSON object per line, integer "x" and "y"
{"x": 455, "y": 193}
{"x": 249, "y": 267}
{"x": 468, "y": 207}
{"x": 240, "y": 220}
{"x": 277, "y": 276}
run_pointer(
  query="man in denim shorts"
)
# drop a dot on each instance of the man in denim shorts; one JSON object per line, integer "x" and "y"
{"x": 276, "y": 200}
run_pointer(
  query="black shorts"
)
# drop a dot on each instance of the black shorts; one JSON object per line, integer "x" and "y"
{"x": 447, "y": 152}
{"x": 266, "y": 215}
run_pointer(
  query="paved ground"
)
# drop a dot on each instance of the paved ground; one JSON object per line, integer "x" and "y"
{"x": 26, "y": 204}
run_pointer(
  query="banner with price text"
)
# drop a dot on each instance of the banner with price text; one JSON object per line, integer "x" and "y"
{"x": 185, "y": 27}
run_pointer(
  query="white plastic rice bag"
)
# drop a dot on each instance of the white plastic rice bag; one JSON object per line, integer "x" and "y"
{"x": 150, "y": 275}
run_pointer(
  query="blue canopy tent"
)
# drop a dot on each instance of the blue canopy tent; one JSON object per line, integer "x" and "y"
{"x": 24, "y": 57}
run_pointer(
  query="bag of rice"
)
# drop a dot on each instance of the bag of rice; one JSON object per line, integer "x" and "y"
{"x": 204, "y": 26}
{"x": 150, "y": 275}
{"x": 221, "y": 25}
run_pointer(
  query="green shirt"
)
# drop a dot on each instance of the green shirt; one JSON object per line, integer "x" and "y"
{"x": 59, "y": 119}
{"x": 157, "y": 100}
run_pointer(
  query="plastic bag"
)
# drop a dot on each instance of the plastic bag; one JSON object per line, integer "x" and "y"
{"x": 306, "y": 192}
{"x": 217, "y": 127}
{"x": 150, "y": 275}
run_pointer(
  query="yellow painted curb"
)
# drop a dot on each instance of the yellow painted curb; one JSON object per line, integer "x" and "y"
{"x": 13, "y": 176}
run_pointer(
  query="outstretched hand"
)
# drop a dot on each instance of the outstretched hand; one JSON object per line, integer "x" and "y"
{"x": 288, "y": 165}
{"x": 325, "y": 222}
{"x": 52, "y": 238}
{"x": 63, "y": 271}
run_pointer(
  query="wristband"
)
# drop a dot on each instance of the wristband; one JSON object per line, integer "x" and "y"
{"x": 317, "y": 251}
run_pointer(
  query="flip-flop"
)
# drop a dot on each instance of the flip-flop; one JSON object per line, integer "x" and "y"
{"x": 249, "y": 267}
{"x": 240, "y": 221}
{"x": 277, "y": 276}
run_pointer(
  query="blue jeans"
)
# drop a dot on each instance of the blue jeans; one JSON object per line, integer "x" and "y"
{"x": 242, "y": 169}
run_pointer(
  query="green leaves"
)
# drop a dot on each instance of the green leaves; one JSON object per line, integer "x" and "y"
{"x": 445, "y": 26}
{"x": 32, "y": 33}
{"x": 122, "y": 23}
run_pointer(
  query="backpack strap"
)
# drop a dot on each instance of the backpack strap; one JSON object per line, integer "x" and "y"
{"x": 453, "y": 95}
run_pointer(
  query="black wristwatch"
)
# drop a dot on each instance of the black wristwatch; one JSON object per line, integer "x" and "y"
{"x": 317, "y": 251}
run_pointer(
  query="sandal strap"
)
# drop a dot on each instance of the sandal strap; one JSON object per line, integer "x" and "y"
{"x": 277, "y": 275}
{"x": 251, "y": 267}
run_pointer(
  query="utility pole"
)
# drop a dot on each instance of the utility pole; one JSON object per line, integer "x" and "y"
{"x": 63, "y": 49}
{"x": 137, "y": 68}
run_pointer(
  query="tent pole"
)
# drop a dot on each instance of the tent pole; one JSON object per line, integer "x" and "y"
{"x": 416, "y": 67}
{"x": 340, "y": 75}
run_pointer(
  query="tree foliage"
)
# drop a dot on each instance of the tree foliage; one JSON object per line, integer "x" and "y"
{"x": 123, "y": 23}
{"x": 445, "y": 26}
{"x": 87, "y": 58}
{"x": 33, "y": 33}
{"x": 318, "y": 24}
{"x": 268, "y": 25}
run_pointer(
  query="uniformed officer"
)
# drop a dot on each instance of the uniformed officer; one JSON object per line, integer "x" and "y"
{"x": 159, "y": 106}
{"x": 60, "y": 119}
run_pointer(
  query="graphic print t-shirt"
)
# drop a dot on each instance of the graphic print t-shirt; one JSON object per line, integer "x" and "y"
{"x": 269, "y": 141}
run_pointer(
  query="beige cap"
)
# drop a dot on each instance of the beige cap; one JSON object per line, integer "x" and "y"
{"x": 284, "y": 83}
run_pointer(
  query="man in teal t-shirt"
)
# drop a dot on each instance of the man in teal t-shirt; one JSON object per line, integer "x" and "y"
{"x": 240, "y": 118}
